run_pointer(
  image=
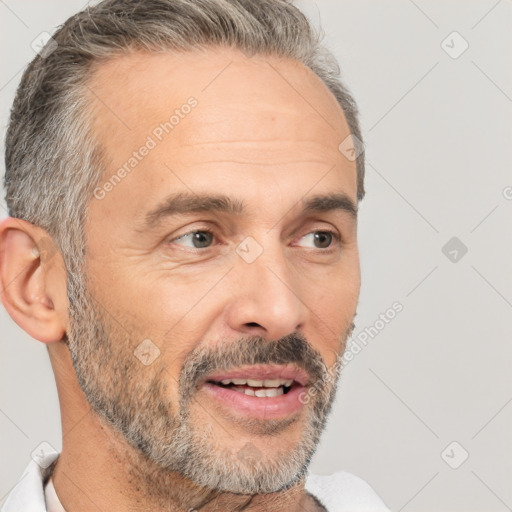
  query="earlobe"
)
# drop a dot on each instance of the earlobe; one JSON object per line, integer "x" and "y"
{"x": 28, "y": 264}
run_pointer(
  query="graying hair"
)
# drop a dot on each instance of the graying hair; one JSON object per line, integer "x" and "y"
{"x": 53, "y": 162}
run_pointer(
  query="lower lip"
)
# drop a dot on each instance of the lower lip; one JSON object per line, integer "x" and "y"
{"x": 265, "y": 408}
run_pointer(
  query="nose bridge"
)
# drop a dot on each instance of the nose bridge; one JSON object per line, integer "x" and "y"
{"x": 266, "y": 299}
{"x": 277, "y": 283}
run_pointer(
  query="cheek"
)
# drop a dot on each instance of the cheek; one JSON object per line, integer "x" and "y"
{"x": 333, "y": 299}
{"x": 334, "y": 288}
{"x": 346, "y": 284}
{"x": 179, "y": 311}
{"x": 333, "y": 312}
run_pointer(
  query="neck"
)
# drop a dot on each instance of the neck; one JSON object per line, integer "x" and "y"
{"x": 104, "y": 473}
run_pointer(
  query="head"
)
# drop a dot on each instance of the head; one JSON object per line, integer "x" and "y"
{"x": 178, "y": 172}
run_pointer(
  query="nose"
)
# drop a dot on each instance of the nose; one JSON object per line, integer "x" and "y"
{"x": 266, "y": 300}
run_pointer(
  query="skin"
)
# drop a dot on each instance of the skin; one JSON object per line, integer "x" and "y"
{"x": 265, "y": 131}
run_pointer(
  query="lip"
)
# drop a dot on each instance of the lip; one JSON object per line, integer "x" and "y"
{"x": 268, "y": 408}
{"x": 265, "y": 408}
{"x": 262, "y": 372}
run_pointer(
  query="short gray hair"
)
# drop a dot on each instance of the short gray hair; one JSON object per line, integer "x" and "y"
{"x": 53, "y": 162}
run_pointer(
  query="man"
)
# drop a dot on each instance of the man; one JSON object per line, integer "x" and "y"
{"x": 183, "y": 178}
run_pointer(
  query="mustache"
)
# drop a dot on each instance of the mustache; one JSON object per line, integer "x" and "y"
{"x": 291, "y": 349}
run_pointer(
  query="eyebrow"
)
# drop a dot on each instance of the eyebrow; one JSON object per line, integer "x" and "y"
{"x": 183, "y": 203}
{"x": 329, "y": 202}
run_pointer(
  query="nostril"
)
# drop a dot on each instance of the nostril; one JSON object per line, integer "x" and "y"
{"x": 253, "y": 324}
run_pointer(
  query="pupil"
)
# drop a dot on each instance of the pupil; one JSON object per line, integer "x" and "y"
{"x": 323, "y": 239}
{"x": 202, "y": 239}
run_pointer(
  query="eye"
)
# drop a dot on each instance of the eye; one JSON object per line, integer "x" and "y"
{"x": 318, "y": 239}
{"x": 199, "y": 239}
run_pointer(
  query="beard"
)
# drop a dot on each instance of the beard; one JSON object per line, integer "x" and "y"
{"x": 134, "y": 400}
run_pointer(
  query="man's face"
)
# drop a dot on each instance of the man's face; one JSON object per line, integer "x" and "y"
{"x": 226, "y": 251}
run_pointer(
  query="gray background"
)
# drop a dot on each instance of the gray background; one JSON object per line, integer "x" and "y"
{"x": 438, "y": 138}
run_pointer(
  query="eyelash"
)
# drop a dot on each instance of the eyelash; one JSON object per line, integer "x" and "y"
{"x": 336, "y": 236}
{"x": 205, "y": 230}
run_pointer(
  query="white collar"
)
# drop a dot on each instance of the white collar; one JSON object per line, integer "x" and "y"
{"x": 53, "y": 503}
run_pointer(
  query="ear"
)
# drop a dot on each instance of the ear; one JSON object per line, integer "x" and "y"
{"x": 33, "y": 280}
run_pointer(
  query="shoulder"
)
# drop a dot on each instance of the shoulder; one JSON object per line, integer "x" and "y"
{"x": 343, "y": 491}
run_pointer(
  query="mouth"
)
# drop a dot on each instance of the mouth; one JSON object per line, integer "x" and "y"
{"x": 261, "y": 388}
{"x": 262, "y": 391}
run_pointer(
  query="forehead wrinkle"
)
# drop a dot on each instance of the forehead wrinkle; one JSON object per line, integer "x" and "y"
{"x": 250, "y": 161}
{"x": 264, "y": 153}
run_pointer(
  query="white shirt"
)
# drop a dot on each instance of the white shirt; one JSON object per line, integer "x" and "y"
{"x": 339, "y": 492}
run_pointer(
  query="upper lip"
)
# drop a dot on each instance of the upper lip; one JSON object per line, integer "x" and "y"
{"x": 261, "y": 372}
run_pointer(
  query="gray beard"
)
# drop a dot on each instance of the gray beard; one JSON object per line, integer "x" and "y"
{"x": 164, "y": 440}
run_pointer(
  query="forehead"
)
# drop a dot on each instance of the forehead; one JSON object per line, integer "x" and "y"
{"x": 264, "y": 118}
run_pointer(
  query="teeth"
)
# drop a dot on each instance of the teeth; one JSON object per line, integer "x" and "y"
{"x": 254, "y": 383}
{"x": 244, "y": 391}
{"x": 259, "y": 392}
{"x": 269, "y": 383}
{"x": 268, "y": 392}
